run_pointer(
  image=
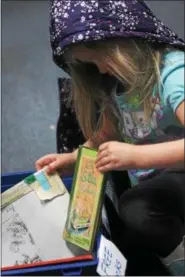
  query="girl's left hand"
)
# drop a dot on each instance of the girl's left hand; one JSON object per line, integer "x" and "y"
{"x": 115, "y": 155}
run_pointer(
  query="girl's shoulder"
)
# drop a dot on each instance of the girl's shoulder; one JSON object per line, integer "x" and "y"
{"x": 172, "y": 60}
{"x": 173, "y": 57}
{"x": 173, "y": 54}
{"x": 172, "y": 79}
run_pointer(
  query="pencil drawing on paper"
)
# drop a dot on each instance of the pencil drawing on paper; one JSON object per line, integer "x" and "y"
{"x": 17, "y": 240}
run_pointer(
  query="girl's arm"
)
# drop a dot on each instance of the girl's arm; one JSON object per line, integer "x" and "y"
{"x": 162, "y": 155}
{"x": 116, "y": 155}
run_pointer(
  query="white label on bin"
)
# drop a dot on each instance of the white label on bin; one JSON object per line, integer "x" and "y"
{"x": 111, "y": 261}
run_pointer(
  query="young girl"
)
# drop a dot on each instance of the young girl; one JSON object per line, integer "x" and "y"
{"x": 139, "y": 128}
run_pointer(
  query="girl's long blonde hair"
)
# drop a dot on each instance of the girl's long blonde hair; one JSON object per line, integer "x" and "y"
{"x": 134, "y": 62}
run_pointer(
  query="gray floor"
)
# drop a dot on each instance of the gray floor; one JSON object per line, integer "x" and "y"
{"x": 29, "y": 85}
{"x": 29, "y": 79}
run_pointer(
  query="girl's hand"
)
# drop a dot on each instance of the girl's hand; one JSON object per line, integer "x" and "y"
{"x": 63, "y": 163}
{"x": 115, "y": 156}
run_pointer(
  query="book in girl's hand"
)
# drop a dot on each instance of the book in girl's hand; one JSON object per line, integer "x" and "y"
{"x": 85, "y": 201}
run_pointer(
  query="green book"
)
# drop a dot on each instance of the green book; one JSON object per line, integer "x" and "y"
{"x": 85, "y": 201}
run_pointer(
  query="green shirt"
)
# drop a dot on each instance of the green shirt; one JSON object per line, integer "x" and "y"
{"x": 164, "y": 125}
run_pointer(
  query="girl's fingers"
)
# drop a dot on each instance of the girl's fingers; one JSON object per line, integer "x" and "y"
{"x": 101, "y": 155}
{"x": 52, "y": 167}
{"x": 105, "y": 168}
{"x": 103, "y": 146}
{"x": 102, "y": 162}
{"x": 46, "y": 160}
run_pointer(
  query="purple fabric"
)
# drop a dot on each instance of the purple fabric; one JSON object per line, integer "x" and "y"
{"x": 74, "y": 21}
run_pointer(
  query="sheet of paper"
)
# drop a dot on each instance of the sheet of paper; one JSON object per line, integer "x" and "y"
{"x": 111, "y": 261}
{"x": 32, "y": 231}
{"x": 18, "y": 245}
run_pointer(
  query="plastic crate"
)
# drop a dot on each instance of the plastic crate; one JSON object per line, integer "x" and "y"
{"x": 76, "y": 268}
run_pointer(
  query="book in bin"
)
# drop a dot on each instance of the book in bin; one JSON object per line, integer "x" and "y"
{"x": 85, "y": 201}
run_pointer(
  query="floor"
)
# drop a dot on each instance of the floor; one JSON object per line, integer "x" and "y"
{"x": 29, "y": 85}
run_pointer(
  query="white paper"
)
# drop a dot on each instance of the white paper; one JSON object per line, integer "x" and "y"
{"x": 32, "y": 231}
{"x": 111, "y": 261}
{"x": 18, "y": 246}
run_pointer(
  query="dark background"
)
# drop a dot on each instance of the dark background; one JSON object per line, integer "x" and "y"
{"x": 29, "y": 79}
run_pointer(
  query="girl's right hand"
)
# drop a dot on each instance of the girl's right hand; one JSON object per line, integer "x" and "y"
{"x": 63, "y": 163}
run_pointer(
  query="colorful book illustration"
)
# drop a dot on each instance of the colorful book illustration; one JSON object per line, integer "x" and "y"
{"x": 45, "y": 186}
{"x": 85, "y": 201}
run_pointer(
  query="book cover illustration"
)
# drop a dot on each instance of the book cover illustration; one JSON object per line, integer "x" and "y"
{"x": 45, "y": 186}
{"x": 85, "y": 201}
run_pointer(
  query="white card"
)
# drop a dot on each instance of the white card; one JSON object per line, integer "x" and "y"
{"x": 111, "y": 261}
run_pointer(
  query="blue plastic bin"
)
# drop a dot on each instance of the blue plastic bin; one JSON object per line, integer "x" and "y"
{"x": 63, "y": 269}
